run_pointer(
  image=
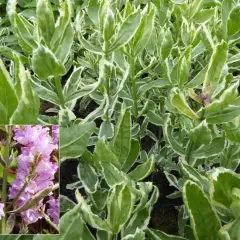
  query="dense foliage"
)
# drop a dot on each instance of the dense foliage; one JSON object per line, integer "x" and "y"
{"x": 113, "y": 73}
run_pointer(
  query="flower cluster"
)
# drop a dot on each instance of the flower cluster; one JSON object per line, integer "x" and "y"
{"x": 35, "y": 169}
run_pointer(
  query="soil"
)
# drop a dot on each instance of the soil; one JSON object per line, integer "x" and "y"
{"x": 164, "y": 215}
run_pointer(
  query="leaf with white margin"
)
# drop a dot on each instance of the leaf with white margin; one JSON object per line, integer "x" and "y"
{"x": 88, "y": 177}
{"x": 92, "y": 219}
{"x": 200, "y": 211}
{"x": 142, "y": 170}
{"x": 159, "y": 235}
{"x": 120, "y": 203}
{"x": 74, "y": 140}
{"x": 121, "y": 141}
{"x": 138, "y": 235}
{"x": 111, "y": 174}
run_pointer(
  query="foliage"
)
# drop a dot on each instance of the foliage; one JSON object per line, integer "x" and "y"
{"x": 165, "y": 70}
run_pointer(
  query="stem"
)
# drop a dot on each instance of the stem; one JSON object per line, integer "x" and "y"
{"x": 50, "y": 222}
{"x": 17, "y": 196}
{"x": 59, "y": 91}
{"x": 27, "y": 181}
{"x": 5, "y": 176}
{"x": 134, "y": 89}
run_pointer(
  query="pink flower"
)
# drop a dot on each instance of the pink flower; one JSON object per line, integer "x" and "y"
{"x": 34, "y": 163}
{"x": 2, "y": 214}
{"x": 53, "y": 210}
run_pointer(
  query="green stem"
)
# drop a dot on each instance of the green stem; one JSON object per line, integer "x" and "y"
{"x": 59, "y": 91}
{"x": 134, "y": 89}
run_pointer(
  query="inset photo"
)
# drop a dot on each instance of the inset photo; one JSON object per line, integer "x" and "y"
{"x": 29, "y": 178}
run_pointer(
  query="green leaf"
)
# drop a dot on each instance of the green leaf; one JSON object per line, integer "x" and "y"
{"x": 178, "y": 100}
{"x": 62, "y": 23}
{"x": 25, "y": 37}
{"x": 71, "y": 224}
{"x": 161, "y": 83}
{"x": 103, "y": 153}
{"x": 144, "y": 32}
{"x": 215, "y": 68}
{"x": 65, "y": 203}
{"x": 132, "y": 156}
{"x": 233, "y": 21}
{"x": 204, "y": 15}
{"x": 45, "y": 19}
{"x": 111, "y": 174}
{"x": 155, "y": 118}
{"x": 190, "y": 173}
{"x": 43, "y": 92}
{"x": 10, "y": 53}
{"x": 106, "y": 130}
{"x": 215, "y": 148}
{"x": 201, "y": 134}
{"x": 27, "y": 110}
{"x": 108, "y": 24}
{"x": 89, "y": 46}
{"x": 232, "y": 130}
{"x": 92, "y": 10}
{"x": 65, "y": 117}
{"x": 120, "y": 204}
{"x": 138, "y": 235}
{"x": 230, "y": 231}
{"x": 227, "y": 6}
{"x": 103, "y": 235}
{"x": 141, "y": 218}
{"x": 8, "y": 98}
{"x": 200, "y": 211}
{"x": 87, "y": 233}
{"x": 88, "y": 177}
{"x": 92, "y": 219}
{"x": 177, "y": 147}
{"x": 72, "y": 82}
{"x": 74, "y": 140}
{"x": 45, "y": 64}
{"x": 159, "y": 235}
{"x": 226, "y": 115}
{"x": 167, "y": 44}
{"x": 122, "y": 137}
{"x": 228, "y": 97}
{"x": 143, "y": 170}
{"x": 145, "y": 189}
{"x": 126, "y": 31}
{"x": 222, "y": 186}
{"x": 62, "y": 50}
{"x": 99, "y": 198}
{"x": 178, "y": 1}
